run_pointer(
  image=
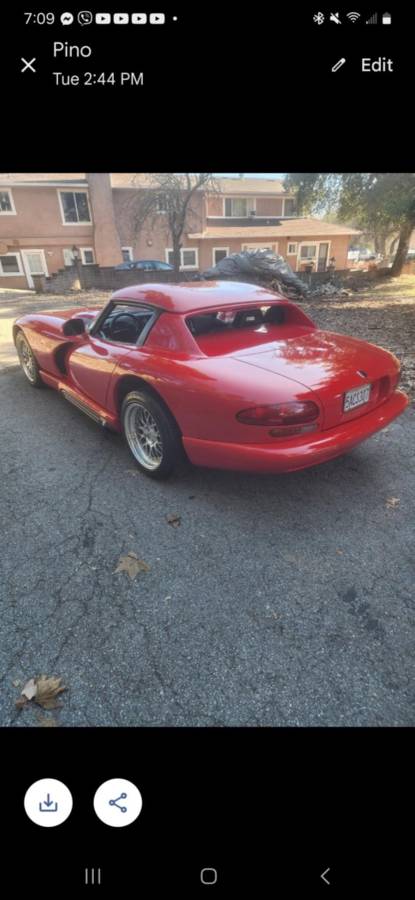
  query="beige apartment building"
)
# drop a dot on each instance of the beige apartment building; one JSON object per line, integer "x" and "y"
{"x": 47, "y": 221}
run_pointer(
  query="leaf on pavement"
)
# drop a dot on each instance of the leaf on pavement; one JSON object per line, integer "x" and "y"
{"x": 48, "y": 690}
{"x": 392, "y": 502}
{"x": 42, "y": 690}
{"x": 29, "y": 690}
{"x": 174, "y": 520}
{"x": 132, "y": 565}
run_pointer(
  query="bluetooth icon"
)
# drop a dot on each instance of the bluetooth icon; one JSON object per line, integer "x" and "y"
{"x": 318, "y": 18}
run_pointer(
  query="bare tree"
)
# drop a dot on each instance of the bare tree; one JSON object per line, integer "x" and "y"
{"x": 168, "y": 200}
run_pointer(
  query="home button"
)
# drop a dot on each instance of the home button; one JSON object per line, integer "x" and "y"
{"x": 208, "y": 876}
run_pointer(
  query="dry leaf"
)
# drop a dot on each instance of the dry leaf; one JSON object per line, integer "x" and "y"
{"x": 132, "y": 565}
{"x": 174, "y": 520}
{"x": 47, "y": 691}
{"x": 30, "y": 689}
{"x": 16, "y": 683}
{"x": 42, "y": 690}
{"x": 46, "y": 721}
{"x": 392, "y": 502}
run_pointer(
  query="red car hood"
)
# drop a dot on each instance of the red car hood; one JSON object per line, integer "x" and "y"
{"x": 330, "y": 364}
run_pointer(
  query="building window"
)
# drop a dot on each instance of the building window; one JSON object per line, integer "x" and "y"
{"x": 6, "y": 204}
{"x": 219, "y": 253}
{"x": 272, "y": 247}
{"x": 10, "y": 264}
{"x": 308, "y": 251}
{"x": 87, "y": 256}
{"x": 289, "y": 207}
{"x": 239, "y": 207}
{"x": 127, "y": 254}
{"x": 188, "y": 258}
{"x": 292, "y": 250}
{"x": 161, "y": 204}
{"x": 75, "y": 207}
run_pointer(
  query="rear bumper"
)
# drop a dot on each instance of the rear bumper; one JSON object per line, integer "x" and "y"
{"x": 287, "y": 456}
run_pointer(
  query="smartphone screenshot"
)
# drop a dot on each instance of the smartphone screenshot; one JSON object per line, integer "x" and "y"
{"x": 207, "y": 375}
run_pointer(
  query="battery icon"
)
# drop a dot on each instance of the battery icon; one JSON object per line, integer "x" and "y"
{"x": 386, "y": 19}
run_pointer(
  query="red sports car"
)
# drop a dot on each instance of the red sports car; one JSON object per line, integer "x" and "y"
{"x": 229, "y": 375}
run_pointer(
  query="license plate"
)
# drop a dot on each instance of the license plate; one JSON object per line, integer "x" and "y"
{"x": 357, "y": 397}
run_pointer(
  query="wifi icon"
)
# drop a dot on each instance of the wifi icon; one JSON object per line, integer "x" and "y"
{"x": 353, "y": 16}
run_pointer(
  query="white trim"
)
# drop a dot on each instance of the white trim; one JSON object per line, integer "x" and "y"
{"x": 194, "y": 250}
{"x": 214, "y": 249}
{"x": 73, "y": 191}
{"x": 251, "y": 200}
{"x": 9, "y": 212}
{"x": 19, "y": 263}
{"x": 28, "y": 273}
{"x": 292, "y": 244}
{"x": 83, "y": 251}
{"x": 130, "y": 251}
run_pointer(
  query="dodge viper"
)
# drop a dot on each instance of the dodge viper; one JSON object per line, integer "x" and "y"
{"x": 225, "y": 374}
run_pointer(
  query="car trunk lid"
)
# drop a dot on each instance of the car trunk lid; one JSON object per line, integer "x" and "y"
{"x": 330, "y": 365}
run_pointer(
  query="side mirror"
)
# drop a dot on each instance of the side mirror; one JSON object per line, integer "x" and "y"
{"x": 73, "y": 326}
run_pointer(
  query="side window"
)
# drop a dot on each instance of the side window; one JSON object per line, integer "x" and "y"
{"x": 124, "y": 324}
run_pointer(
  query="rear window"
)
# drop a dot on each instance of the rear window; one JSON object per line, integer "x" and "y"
{"x": 236, "y": 320}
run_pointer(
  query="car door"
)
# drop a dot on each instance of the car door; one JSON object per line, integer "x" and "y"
{"x": 91, "y": 364}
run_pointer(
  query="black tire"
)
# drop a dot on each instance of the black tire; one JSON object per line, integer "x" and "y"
{"x": 152, "y": 434}
{"x": 28, "y": 361}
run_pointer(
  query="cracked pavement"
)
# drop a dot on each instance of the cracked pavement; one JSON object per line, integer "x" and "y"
{"x": 280, "y": 600}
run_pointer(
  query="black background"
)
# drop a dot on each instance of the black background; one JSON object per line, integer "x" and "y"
{"x": 271, "y": 809}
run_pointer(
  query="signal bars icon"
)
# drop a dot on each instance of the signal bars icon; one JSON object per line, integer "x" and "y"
{"x": 372, "y": 20}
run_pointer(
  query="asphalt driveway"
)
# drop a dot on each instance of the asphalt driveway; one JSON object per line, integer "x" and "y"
{"x": 282, "y": 600}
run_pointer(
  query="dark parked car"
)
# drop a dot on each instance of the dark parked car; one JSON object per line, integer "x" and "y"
{"x": 147, "y": 265}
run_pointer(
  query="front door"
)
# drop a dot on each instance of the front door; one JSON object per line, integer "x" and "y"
{"x": 34, "y": 263}
{"x": 323, "y": 252}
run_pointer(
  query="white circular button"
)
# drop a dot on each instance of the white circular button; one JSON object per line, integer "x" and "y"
{"x": 48, "y": 802}
{"x": 118, "y": 802}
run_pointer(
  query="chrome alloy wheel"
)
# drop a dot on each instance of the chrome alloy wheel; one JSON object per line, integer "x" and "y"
{"x": 143, "y": 435}
{"x": 27, "y": 360}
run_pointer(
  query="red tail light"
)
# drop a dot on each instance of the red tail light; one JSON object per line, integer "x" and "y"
{"x": 293, "y": 413}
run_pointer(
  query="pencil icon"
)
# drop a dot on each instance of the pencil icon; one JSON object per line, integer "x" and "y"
{"x": 338, "y": 64}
